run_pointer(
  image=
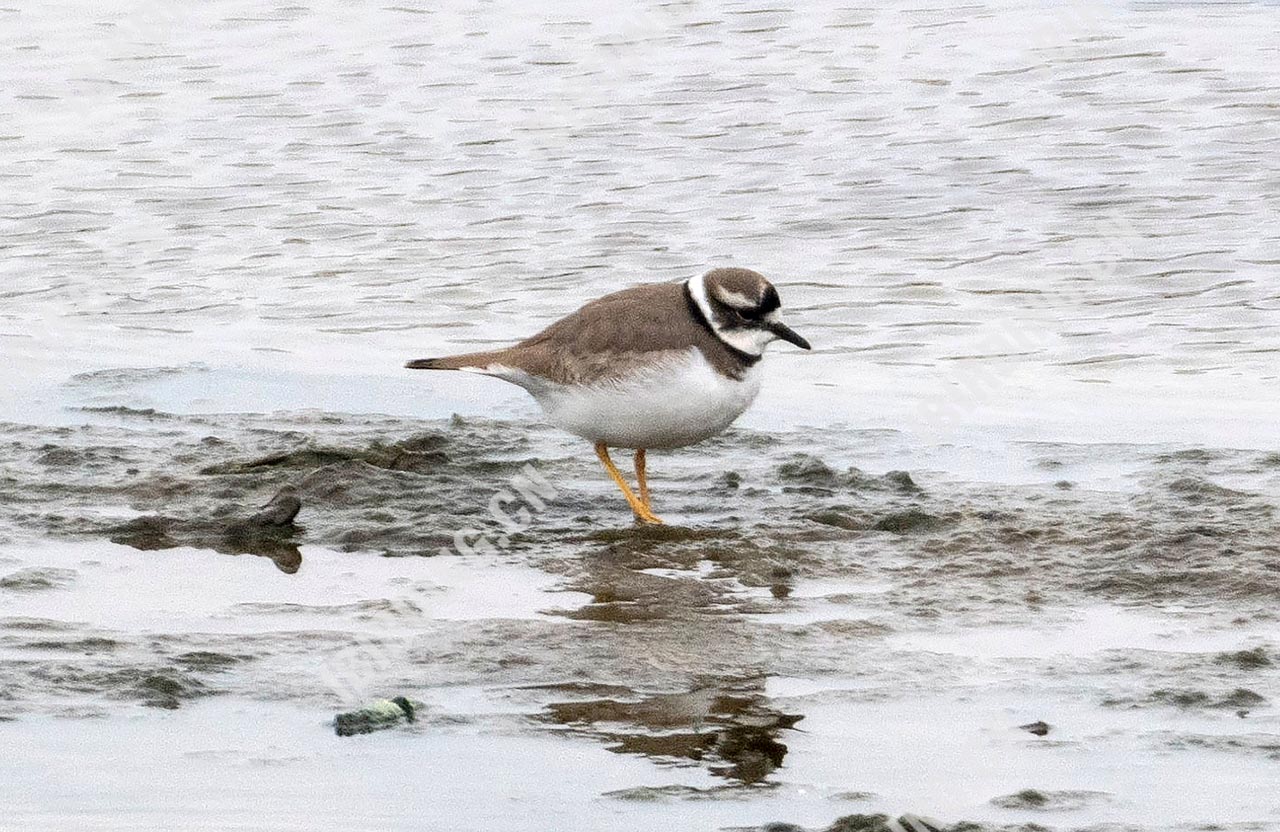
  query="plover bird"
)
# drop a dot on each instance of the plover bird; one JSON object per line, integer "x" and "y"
{"x": 656, "y": 366}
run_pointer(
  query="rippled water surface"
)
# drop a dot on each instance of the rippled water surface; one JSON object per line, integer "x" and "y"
{"x": 971, "y": 206}
{"x": 1030, "y": 472}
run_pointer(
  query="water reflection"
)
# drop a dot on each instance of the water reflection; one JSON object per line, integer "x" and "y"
{"x": 731, "y": 729}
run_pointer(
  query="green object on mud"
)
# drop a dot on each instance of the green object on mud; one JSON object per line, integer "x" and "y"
{"x": 376, "y": 716}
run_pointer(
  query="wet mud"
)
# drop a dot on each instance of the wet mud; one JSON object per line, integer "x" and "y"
{"x": 794, "y": 586}
{"x": 878, "y": 823}
{"x": 264, "y": 486}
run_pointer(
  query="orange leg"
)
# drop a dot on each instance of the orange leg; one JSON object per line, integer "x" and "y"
{"x": 640, "y": 478}
{"x": 641, "y": 511}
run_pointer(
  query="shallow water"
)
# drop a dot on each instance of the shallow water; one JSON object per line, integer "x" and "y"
{"x": 1034, "y": 245}
{"x": 1051, "y": 218}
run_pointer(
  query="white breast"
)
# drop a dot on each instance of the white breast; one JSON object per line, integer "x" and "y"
{"x": 678, "y": 401}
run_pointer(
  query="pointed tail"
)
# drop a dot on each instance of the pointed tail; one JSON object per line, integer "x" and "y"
{"x": 466, "y": 361}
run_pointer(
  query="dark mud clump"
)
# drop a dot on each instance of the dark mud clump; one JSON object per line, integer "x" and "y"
{"x": 842, "y": 518}
{"x": 1039, "y": 728}
{"x": 420, "y": 453}
{"x": 88, "y": 646}
{"x": 268, "y": 532}
{"x": 154, "y": 687}
{"x": 732, "y": 731}
{"x": 158, "y": 690}
{"x": 1253, "y": 659}
{"x": 1190, "y": 698}
{"x": 208, "y": 661}
{"x": 673, "y": 792}
{"x": 55, "y": 457}
{"x": 1193, "y": 456}
{"x": 806, "y": 470}
{"x": 882, "y": 823}
{"x": 908, "y": 521}
{"x": 1197, "y": 490}
{"x": 1241, "y": 698}
{"x": 1050, "y": 801}
{"x": 877, "y": 823}
{"x": 38, "y": 579}
{"x": 120, "y": 379}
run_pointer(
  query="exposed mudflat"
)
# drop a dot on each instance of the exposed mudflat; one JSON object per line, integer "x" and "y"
{"x": 809, "y": 637}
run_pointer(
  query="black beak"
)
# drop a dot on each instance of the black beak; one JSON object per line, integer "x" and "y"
{"x": 788, "y": 334}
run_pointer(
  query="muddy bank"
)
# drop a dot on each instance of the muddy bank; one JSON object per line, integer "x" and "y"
{"x": 405, "y": 488}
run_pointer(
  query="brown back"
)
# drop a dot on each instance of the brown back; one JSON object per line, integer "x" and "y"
{"x": 611, "y": 335}
{"x": 608, "y": 338}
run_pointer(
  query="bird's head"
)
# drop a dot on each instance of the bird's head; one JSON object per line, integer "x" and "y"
{"x": 742, "y": 308}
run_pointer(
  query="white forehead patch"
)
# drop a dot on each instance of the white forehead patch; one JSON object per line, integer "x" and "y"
{"x": 735, "y": 299}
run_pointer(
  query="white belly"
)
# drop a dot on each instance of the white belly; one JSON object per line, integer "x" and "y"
{"x": 679, "y": 402}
